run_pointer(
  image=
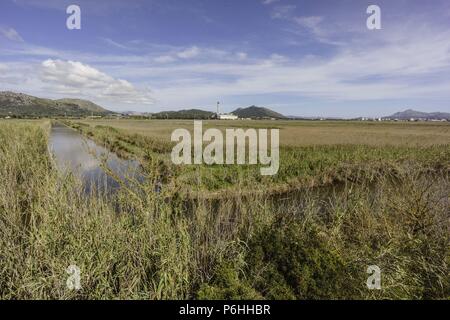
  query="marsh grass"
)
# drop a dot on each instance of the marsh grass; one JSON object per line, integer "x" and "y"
{"x": 303, "y": 164}
{"x": 301, "y": 133}
{"x": 306, "y": 243}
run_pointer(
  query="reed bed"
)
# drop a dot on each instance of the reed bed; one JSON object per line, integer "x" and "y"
{"x": 305, "y": 243}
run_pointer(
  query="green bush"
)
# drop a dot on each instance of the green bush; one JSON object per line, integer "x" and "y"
{"x": 289, "y": 260}
{"x": 284, "y": 261}
{"x": 227, "y": 285}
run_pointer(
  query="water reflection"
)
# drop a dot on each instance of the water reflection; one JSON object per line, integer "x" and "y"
{"x": 84, "y": 157}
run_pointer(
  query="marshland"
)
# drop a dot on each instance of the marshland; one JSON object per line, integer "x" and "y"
{"x": 348, "y": 195}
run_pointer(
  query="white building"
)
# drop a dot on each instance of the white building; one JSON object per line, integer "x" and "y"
{"x": 226, "y": 116}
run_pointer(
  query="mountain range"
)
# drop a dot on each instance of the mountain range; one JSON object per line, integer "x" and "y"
{"x": 412, "y": 114}
{"x": 23, "y": 105}
{"x": 252, "y": 112}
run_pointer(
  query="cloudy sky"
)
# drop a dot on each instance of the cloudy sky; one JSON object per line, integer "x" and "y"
{"x": 298, "y": 57}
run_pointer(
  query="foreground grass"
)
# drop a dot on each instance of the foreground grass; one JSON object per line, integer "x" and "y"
{"x": 304, "y": 244}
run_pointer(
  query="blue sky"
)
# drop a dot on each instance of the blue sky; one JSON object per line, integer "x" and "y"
{"x": 306, "y": 58}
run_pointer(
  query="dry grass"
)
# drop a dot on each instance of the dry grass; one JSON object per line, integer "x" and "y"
{"x": 314, "y": 164}
{"x": 305, "y": 133}
{"x": 307, "y": 244}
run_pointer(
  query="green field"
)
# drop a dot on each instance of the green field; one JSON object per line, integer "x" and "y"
{"x": 347, "y": 196}
{"x": 305, "y": 133}
{"x": 312, "y": 153}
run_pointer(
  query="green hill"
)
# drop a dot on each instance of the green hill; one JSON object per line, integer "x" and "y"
{"x": 255, "y": 112}
{"x": 250, "y": 112}
{"x": 84, "y": 104}
{"x": 23, "y": 105}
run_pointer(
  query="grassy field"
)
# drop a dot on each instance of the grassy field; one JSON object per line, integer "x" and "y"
{"x": 310, "y": 154}
{"x": 305, "y": 133}
{"x": 377, "y": 195}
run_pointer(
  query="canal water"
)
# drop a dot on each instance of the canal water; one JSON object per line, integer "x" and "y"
{"x": 75, "y": 153}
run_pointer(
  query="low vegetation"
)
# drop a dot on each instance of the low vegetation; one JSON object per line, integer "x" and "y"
{"x": 183, "y": 114}
{"x": 389, "y": 207}
{"x": 315, "y": 163}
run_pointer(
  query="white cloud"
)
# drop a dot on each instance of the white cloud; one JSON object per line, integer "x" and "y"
{"x": 384, "y": 69}
{"x": 282, "y": 12}
{"x": 241, "y": 55}
{"x": 11, "y": 34}
{"x": 312, "y": 23}
{"x": 277, "y": 58}
{"x": 189, "y": 53}
{"x": 401, "y": 66}
{"x": 267, "y": 2}
{"x": 164, "y": 59}
{"x": 115, "y": 44}
{"x": 71, "y": 77}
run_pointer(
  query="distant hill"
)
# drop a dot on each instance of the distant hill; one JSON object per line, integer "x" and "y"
{"x": 183, "y": 114}
{"x": 409, "y": 114}
{"x": 23, "y": 105}
{"x": 255, "y": 112}
{"x": 250, "y": 112}
{"x": 84, "y": 104}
